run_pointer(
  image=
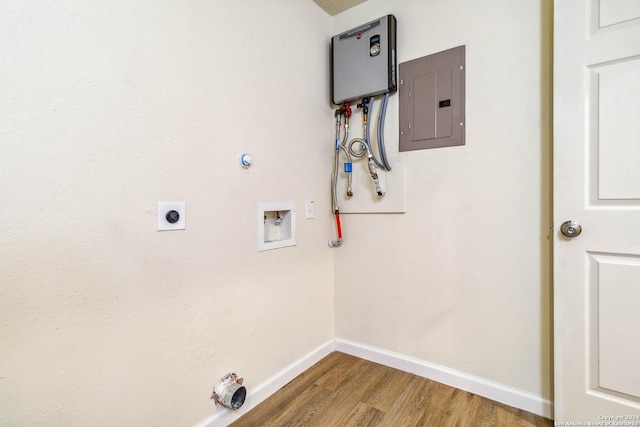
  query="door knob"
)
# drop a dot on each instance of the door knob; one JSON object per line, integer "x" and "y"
{"x": 571, "y": 228}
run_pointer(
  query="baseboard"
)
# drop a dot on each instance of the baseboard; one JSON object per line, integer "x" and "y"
{"x": 473, "y": 384}
{"x": 255, "y": 396}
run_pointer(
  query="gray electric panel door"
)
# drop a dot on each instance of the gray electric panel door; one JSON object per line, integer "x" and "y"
{"x": 363, "y": 61}
{"x": 432, "y": 101}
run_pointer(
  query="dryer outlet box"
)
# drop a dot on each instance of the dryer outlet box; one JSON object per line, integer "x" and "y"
{"x": 363, "y": 61}
{"x": 171, "y": 216}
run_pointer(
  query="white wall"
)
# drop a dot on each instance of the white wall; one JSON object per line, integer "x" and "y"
{"x": 108, "y": 108}
{"x": 463, "y": 278}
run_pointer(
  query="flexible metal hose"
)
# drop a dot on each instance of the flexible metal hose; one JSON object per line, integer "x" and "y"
{"x": 381, "y": 146}
{"x": 340, "y": 145}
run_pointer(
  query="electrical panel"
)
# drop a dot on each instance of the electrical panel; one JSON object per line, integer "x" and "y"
{"x": 432, "y": 101}
{"x": 363, "y": 61}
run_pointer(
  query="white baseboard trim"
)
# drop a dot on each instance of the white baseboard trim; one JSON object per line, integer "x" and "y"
{"x": 225, "y": 416}
{"x": 473, "y": 384}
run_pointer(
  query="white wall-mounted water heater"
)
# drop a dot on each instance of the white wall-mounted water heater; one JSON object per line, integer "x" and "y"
{"x": 363, "y": 61}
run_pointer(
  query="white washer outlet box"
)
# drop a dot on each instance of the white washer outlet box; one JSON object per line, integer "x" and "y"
{"x": 276, "y": 225}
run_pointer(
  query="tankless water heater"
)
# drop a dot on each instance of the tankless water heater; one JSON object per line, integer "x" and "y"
{"x": 363, "y": 61}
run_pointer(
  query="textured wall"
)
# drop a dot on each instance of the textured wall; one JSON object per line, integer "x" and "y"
{"x": 463, "y": 279}
{"x": 108, "y": 108}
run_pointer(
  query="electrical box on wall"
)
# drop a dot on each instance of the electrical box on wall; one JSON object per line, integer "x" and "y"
{"x": 432, "y": 101}
{"x": 363, "y": 61}
{"x": 171, "y": 216}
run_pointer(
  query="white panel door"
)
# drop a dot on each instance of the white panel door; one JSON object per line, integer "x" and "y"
{"x": 597, "y": 184}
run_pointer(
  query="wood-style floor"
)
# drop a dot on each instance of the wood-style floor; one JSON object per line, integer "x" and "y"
{"x": 343, "y": 391}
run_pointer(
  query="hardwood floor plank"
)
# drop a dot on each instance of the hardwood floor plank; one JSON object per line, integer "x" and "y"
{"x": 440, "y": 409}
{"x": 479, "y": 412}
{"x": 348, "y": 396}
{"x": 282, "y": 400}
{"x": 516, "y": 417}
{"x": 389, "y": 385}
{"x": 410, "y": 403}
{"x": 342, "y": 368}
{"x": 315, "y": 400}
{"x": 364, "y": 415}
{"x": 296, "y": 412}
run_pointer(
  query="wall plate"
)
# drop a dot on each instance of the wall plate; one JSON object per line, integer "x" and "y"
{"x": 172, "y": 216}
